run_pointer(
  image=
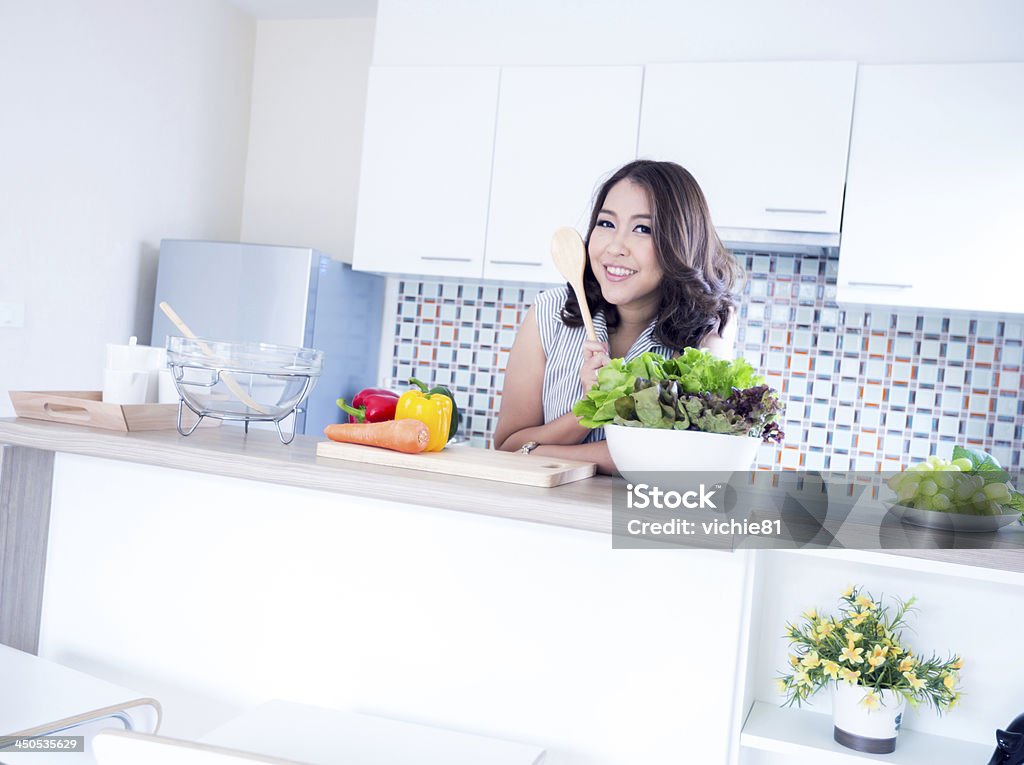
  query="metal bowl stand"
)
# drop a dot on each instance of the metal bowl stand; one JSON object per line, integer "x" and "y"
{"x": 201, "y": 414}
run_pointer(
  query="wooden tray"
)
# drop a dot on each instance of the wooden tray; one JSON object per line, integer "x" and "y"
{"x": 490, "y": 465}
{"x": 86, "y": 407}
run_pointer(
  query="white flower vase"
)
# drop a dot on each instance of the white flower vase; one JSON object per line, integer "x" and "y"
{"x": 867, "y": 720}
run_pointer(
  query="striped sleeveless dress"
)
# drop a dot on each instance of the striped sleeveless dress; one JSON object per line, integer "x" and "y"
{"x": 562, "y": 347}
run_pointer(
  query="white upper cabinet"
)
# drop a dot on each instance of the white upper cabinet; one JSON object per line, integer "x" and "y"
{"x": 426, "y": 170}
{"x": 560, "y": 131}
{"x": 935, "y": 190}
{"x": 767, "y": 142}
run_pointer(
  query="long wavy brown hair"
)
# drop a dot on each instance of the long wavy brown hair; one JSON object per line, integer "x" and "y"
{"x": 699, "y": 273}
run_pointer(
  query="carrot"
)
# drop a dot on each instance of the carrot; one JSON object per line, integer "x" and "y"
{"x": 409, "y": 436}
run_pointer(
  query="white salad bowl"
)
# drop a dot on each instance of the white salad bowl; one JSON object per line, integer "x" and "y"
{"x": 645, "y": 450}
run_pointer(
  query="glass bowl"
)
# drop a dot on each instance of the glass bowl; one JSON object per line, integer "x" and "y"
{"x": 242, "y": 381}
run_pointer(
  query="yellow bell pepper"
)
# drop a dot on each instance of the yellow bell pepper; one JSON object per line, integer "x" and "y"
{"x": 432, "y": 409}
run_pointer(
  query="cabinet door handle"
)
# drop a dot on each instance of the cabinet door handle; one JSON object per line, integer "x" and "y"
{"x": 514, "y": 263}
{"x": 447, "y": 260}
{"x": 883, "y": 285}
{"x": 795, "y": 211}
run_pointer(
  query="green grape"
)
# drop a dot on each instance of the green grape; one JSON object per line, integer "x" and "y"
{"x": 908, "y": 481}
{"x": 948, "y": 486}
{"x": 991, "y": 508}
{"x": 964, "y": 489}
{"x": 906, "y": 492}
{"x": 997, "y": 492}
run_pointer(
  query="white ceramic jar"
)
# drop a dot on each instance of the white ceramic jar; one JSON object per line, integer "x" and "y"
{"x": 867, "y": 720}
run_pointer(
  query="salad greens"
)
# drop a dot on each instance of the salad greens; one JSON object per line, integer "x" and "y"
{"x": 694, "y": 391}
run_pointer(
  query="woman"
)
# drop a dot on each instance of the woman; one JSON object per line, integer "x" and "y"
{"x": 657, "y": 279}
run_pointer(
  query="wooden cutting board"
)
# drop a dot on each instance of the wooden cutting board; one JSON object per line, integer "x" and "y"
{"x": 470, "y": 462}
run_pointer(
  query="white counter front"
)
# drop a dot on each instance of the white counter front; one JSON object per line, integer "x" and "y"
{"x": 365, "y": 593}
{"x": 220, "y": 571}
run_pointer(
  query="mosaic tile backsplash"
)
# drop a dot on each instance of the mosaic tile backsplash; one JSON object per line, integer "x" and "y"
{"x": 865, "y": 389}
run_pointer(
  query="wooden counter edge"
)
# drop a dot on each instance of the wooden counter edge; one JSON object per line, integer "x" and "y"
{"x": 581, "y": 505}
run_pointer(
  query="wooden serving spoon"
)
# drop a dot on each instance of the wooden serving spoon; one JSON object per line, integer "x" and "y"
{"x": 570, "y": 258}
{"x": 227, "y": 377}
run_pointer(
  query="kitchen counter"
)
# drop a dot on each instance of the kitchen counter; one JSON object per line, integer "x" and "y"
{"x": 231, "y": 567}
{"x": 260, "y": 456}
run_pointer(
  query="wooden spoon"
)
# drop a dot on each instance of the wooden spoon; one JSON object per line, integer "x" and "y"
{"x": 227, "y": 377}
{"x": 570, "y": 258}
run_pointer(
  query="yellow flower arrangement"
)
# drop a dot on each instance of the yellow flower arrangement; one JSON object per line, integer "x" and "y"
{"x": 858, "y": 617}
{"x": 864, "y": 646}
{"x": 915, "y": 682}
{"x": 872, "y": 700}
{"x": 877, "y": 657}
{"x": 849, "y": 675}
{"x": 851, "y": 655}
{"x": 826, "y": 628}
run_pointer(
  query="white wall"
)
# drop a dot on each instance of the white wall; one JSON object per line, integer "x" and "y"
{"x": 648, "y": 31}
{"x": 124, "y": 122}
{"x": 306, "y": 133}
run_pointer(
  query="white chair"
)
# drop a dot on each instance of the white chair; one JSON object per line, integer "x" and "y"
{"x": 284, "y": 733}
{"x": 42, "y": 698}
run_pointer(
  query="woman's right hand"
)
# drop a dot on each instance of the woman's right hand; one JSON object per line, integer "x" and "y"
{"x": 595, "y": 356}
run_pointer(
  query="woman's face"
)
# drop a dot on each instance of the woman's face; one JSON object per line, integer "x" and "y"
{"x": 622, "y": 248}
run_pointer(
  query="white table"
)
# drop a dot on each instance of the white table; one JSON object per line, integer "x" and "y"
{"x": 44, "y": 698}
{"x": 283, "y": 733}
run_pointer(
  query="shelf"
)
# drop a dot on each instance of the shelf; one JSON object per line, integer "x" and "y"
{"x": 997, "y": 566}
{"x": 798, "y": 732}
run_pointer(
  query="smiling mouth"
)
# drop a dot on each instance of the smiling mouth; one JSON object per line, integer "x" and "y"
{"x": 617, "y": 273}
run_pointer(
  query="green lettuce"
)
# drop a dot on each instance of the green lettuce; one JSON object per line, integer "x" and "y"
{"x": 695, "y": 391}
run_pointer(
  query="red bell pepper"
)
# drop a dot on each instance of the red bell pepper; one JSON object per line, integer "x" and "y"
{"x": 360, "y": 398}
{"x": 371, "y": 405}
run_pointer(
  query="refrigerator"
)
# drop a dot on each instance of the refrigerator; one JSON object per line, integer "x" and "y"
{"x": 298, "y": 296}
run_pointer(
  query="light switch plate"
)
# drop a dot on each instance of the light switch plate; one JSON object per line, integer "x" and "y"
{"x": 12, "y": 315}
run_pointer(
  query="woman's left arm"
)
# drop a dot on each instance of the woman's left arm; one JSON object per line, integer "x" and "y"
{"x": 723, "y": 342}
